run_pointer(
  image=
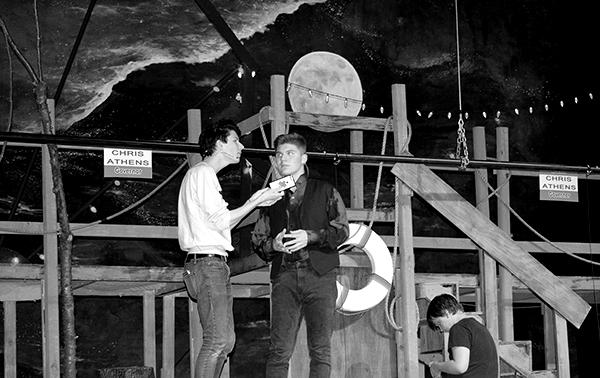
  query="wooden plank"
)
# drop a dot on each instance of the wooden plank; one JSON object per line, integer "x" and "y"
{"x": 195, "y": 337}
{"x": 278, "y": 126}
{"x": 516, "y": 357}
{"x": 357, "y": 198}
{"x": 252, "y": 123}
{"x": 149, "y": 329}
{"x": 505, "y": 297}
{"x": 549, "y": 338}
{"x": 487, "y": 265}
{"x": 194, "y": 123}
{"x": 331, "y": 123}
{"x": 19, "y": 290}
{"x": 494, "y": 241}
{"x": 562, "y": 347}
{"x": 10, "y": 339}
{"x": 168, "y": 337}
{"x": 50, "y": 299}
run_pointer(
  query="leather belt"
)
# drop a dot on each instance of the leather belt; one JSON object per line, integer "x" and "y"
{"x": 197, "y": 256}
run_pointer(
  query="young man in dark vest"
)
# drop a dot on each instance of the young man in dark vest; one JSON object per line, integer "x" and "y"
{"x": 300, "y": 235}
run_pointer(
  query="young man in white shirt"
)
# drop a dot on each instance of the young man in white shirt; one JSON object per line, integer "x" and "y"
{"x": 204, "y": 231}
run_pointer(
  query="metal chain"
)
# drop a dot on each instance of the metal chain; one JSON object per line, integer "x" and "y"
{"x": 462, "y": 151}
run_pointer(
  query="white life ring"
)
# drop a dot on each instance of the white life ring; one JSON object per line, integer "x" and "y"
{"x": 355, "y": 301}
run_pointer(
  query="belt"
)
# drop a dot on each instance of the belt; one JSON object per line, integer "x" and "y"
{"x": 197, "y": 256}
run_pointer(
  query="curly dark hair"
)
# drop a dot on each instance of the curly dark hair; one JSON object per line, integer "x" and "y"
{"x": 209, "y": 136}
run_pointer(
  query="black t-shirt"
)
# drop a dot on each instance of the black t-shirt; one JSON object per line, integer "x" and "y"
{"x": 483, "y": 357}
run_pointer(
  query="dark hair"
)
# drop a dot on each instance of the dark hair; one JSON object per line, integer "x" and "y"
{"x": 438, "y": 306}
{"x": 209, "y": 137}
{"x": 291, "y": 138}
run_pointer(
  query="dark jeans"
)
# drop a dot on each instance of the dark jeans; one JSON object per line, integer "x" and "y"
{"x": 208, "y": 281}
{"x": 299, "y": 291}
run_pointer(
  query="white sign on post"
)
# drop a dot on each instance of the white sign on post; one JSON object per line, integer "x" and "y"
{"x": 120, "y": 162}
{"x": 558, "y": 188}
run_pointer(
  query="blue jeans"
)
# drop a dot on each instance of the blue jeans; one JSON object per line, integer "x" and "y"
{"x": 208, "y": 280}
{"x": 299, "y": 291}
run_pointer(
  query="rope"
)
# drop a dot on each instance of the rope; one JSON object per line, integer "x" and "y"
{"x": 391, "y": 306}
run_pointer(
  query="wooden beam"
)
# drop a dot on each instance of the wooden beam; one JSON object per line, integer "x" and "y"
{"x": 331, "y": 123}
{"x": 562, "y": 347}
{"x": 19, "y": 290}
{"x": 194, "y": 123}
{"x": 149, "y": 330}
{"x": 10, "y": 339}
{"x": 505, "y": 300}
{"x": 278, "y": 124}
{"x": 50, "y": 301}
{"x": 252, "y": 123}
{"x": 168, "y": 338}
{"x": 487, "y": 265}
{"x": 493, "y": 240}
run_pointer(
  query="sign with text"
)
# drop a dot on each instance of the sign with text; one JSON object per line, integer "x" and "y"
{"x": 120, "y": 162}
{"x": 558, "y": 188}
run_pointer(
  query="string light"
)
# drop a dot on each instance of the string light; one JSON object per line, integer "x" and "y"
{"x": 562, "y": 104}
{"x": 467, "y": 115}
{"x": 546, "y": 107}
{"x": 327, "y": 98}
{"x": 381, "y": 110}
{"x": 240, "y": 72}
{"x": 576, "y": 100}
{"x": 419, "y": 113}
{"x": 216, "y": 89}
{"x": 530, "y": 110}
{"x": 449, "y": 115}
{"x": 498, "y": 114}
{"x": 345, "y": 103}
{"x": 253, "y": 73}
{"x": 364, "y": 107}
{"x": 93, "y": 209}
{"x": 591, "y": 96}
{"x": 430, "y": 115}
{"x": 484, "y": 115}
{"x": 516, "y": 111}
{"x": 310, "y": 93}
{"x": 238, "y": 97}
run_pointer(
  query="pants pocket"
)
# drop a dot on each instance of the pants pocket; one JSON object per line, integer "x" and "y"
{"x": 188, "y": 280}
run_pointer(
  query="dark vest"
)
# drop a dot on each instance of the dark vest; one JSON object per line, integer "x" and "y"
{"x": 313, "y": 216}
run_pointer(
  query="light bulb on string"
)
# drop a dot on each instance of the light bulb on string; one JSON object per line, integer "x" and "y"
{"x": 562, "y": 104}
{"x": 591, "y": 96}
{"x": 117, "y": 183}
{"x": 576, "y": 100}
{"x": 238, "y": 97}
{"x": 419, "y": 113}
{"x": 364, "y": 107}
{"x": 381, "y": 109}
{"x": 327, "y": 98}
{"x": 310, "y": 93}
{"x": 240, "y": 72}
{"x": 467, "y": 115}
{"x": 530, "y": 110}
{"x": 216, "y": 89}
{"x": 484, "y": 115}
{"x": 449, "y": 115}
{"x": 93, "y": 209}
{"x": 546, "y": 107}
{"x": 516, "y": 111}
{"x": 498, "y": 114}
{"x": 430, "y": 115}
{"x": 253, "y": 73}
{"x": 345, "y": 103}
{"x": 289, "y": 87}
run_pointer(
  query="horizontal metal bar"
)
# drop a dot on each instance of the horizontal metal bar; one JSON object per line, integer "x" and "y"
{"x": 69, "y": 141}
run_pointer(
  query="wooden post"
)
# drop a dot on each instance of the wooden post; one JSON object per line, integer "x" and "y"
{"x": 149, "y": 330}
{"x": 487, "y": 265}
{"x": 408, "y": 350}
{"x": 168, "y": 337}
{"x": 357, "y": 199}
{"x": 549, "y": 337}
{"x": 50, "y": 289}
{"x": 277, "y": 105}
{"x": 562, "y": 346}
{"x": 194, "y": 118}
{"x": 195, "y": 335}
{"x": 505, "y": 278}
{"x": 400, "y": 120}
{"x": 10, "y": 339}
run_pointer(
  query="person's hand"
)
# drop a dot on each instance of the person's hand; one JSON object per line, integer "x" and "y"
{"x": 265, "y": 197}
{"x": 278, "y": 243}
{"x": 434, "y": 370}
{"x": 296, "y": 240}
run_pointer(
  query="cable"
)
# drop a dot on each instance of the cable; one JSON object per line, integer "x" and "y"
{"x": 513, "y": 212}
{"x": 10, "y": 95}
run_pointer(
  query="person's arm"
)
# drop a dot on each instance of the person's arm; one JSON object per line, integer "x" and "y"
{"x": 262, "y": 197}
{"x": 457, "y": 365}
{"x": 335, "y": 233}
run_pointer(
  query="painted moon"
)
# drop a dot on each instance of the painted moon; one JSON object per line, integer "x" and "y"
{"x": 324, "y": 83}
